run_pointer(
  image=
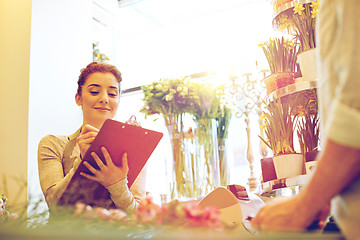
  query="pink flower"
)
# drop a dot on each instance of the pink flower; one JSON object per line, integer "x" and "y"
{"x": 89, "y": 213}
{"x": 1, "y": 204}
{"x": 211, "y": 218}
{"x": 147, "y": 211}
{"x": 13, "y": 216}
{"x": 102, "y": 213}
{"x": 117, "y": 215}
{"x": 79, "y": 208}
{"x": 194, "y": 214}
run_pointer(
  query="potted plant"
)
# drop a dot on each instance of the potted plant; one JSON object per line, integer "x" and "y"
{"x": 300, "y": 20}
{"x": 308, "y": 124}
{"x": 281, "y": 55}
{"x": 278, "y": 124}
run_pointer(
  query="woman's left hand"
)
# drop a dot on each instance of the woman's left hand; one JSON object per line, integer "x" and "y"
{"x": 109, "y": 173}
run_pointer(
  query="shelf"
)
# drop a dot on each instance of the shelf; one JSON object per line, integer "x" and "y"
{"x": 288, "y": 5}
{"x": 298, "y": 86}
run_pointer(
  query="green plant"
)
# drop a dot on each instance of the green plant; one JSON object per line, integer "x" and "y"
{"x": 300, "y": 21}
{"x": 304, "y": 23}
{"x": 97, "y": 55}
{"x": 278, "y": 125}
{"x": 308, "y": 133}
{"x": 281, "y": 54}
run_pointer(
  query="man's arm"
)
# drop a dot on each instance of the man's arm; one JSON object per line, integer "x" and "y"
{"x": 336, "y": 168}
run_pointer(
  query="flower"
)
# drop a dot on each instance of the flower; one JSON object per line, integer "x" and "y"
{"x": 314, "y": 13}
{"x": 298, "y": 9}
{"x": 279, "y": 124}
{"x": 281, "y": 54}
{"x": 314, "y": 4}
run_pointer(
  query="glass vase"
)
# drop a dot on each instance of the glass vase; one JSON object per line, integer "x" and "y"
{"x": 207, "y": 155}
{"x": 184, "y": 166}
{"x": 224, "y": 161}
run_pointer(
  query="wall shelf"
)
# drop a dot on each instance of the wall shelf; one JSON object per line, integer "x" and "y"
{"x": 299, "y": 85}
{"x": 289, "y": 5}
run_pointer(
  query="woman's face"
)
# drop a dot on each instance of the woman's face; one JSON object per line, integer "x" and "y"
{"x": 100, "y": 97}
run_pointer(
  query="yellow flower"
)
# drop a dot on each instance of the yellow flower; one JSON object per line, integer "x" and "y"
{"x": 98, "y": 55}
{"x": 314, "y": 13}
{"x": 315, "y": 5}
{"x": 298, "y": 9}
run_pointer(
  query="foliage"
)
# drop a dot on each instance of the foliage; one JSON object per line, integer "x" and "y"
{"x": 281, "y": 54}
{"x": 84, "y": 220}
{"x": 300, "y": 21}
{"x": 167, "y": 96}
{"x": 175, "y": 99}
{"x": 304, "y": 21}
{"x": 308, "y": 133}
{"x": 5, "y": 215}
{"x": 278, "y": 125}
{"x": 97, "y": 55}
{"x": 225, "y": 113}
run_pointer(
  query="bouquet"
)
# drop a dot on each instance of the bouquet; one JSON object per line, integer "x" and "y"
{"x": 300, "y": 21}
{"x": 281, "y": 54}
{"x": 278, "y": 125}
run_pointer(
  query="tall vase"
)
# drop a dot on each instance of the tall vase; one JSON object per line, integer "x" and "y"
{"x": 224, "y": 161}
{"x": 207, "y": 154}
{"x": 174, "y": 126}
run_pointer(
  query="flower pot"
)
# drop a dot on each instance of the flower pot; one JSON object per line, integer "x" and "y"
{"x": 288, "y": 165}
{"x": 308, "y": 66}
{"x": 278, "y": 80}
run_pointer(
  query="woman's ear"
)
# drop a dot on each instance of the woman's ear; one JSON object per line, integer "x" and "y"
{"x": 78, "y": 99}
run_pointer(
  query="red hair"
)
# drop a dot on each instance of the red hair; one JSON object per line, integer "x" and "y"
{"x": 97, "y": 67}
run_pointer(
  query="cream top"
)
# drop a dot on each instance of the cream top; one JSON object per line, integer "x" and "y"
{"x": 56, "y": 171}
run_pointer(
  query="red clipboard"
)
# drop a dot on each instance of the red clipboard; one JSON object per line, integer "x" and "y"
{"x": 118, "y": 138}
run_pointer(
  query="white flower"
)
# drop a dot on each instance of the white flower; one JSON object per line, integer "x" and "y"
{"x": 158, "y": 87}
{"x": 179, "y": 89}
{"x": 169, "y": 97}
{"x": 172, "y": 91}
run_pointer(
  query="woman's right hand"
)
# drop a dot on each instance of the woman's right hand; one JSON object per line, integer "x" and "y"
{"x": 86, "y": 137}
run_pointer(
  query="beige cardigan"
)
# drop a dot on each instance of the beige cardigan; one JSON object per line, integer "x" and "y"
{"x": 56, "y": 170}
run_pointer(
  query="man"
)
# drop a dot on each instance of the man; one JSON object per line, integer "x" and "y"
{"x": 337, "y": 175}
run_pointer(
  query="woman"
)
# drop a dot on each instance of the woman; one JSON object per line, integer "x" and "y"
{"x": 98, "y": 94}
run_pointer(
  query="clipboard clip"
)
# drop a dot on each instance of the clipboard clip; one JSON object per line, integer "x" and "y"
{"x": 132, "y": 120}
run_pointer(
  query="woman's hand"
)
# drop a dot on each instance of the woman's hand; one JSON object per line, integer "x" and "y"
{"x": 85, "y": 138}
{"x": 109, "y": 173}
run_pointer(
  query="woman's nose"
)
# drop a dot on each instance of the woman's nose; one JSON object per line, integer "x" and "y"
{"x": 104, "y": 98}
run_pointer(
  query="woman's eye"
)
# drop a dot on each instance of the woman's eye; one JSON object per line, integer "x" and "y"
{"x": 112, "y": 94}
{"x": 94, "y": 92}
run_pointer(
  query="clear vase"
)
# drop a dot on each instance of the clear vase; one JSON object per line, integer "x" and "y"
{"x": 184, "y": 166}
{"x": 224, "y": 161}
{"x": 207, "y": 155}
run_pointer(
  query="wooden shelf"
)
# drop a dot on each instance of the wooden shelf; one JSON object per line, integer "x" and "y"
{"x": 298, "y": 86}
{"x": 289, "y": 5}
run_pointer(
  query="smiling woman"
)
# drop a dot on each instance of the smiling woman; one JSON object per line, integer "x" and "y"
{"x": 59, "y": 156}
